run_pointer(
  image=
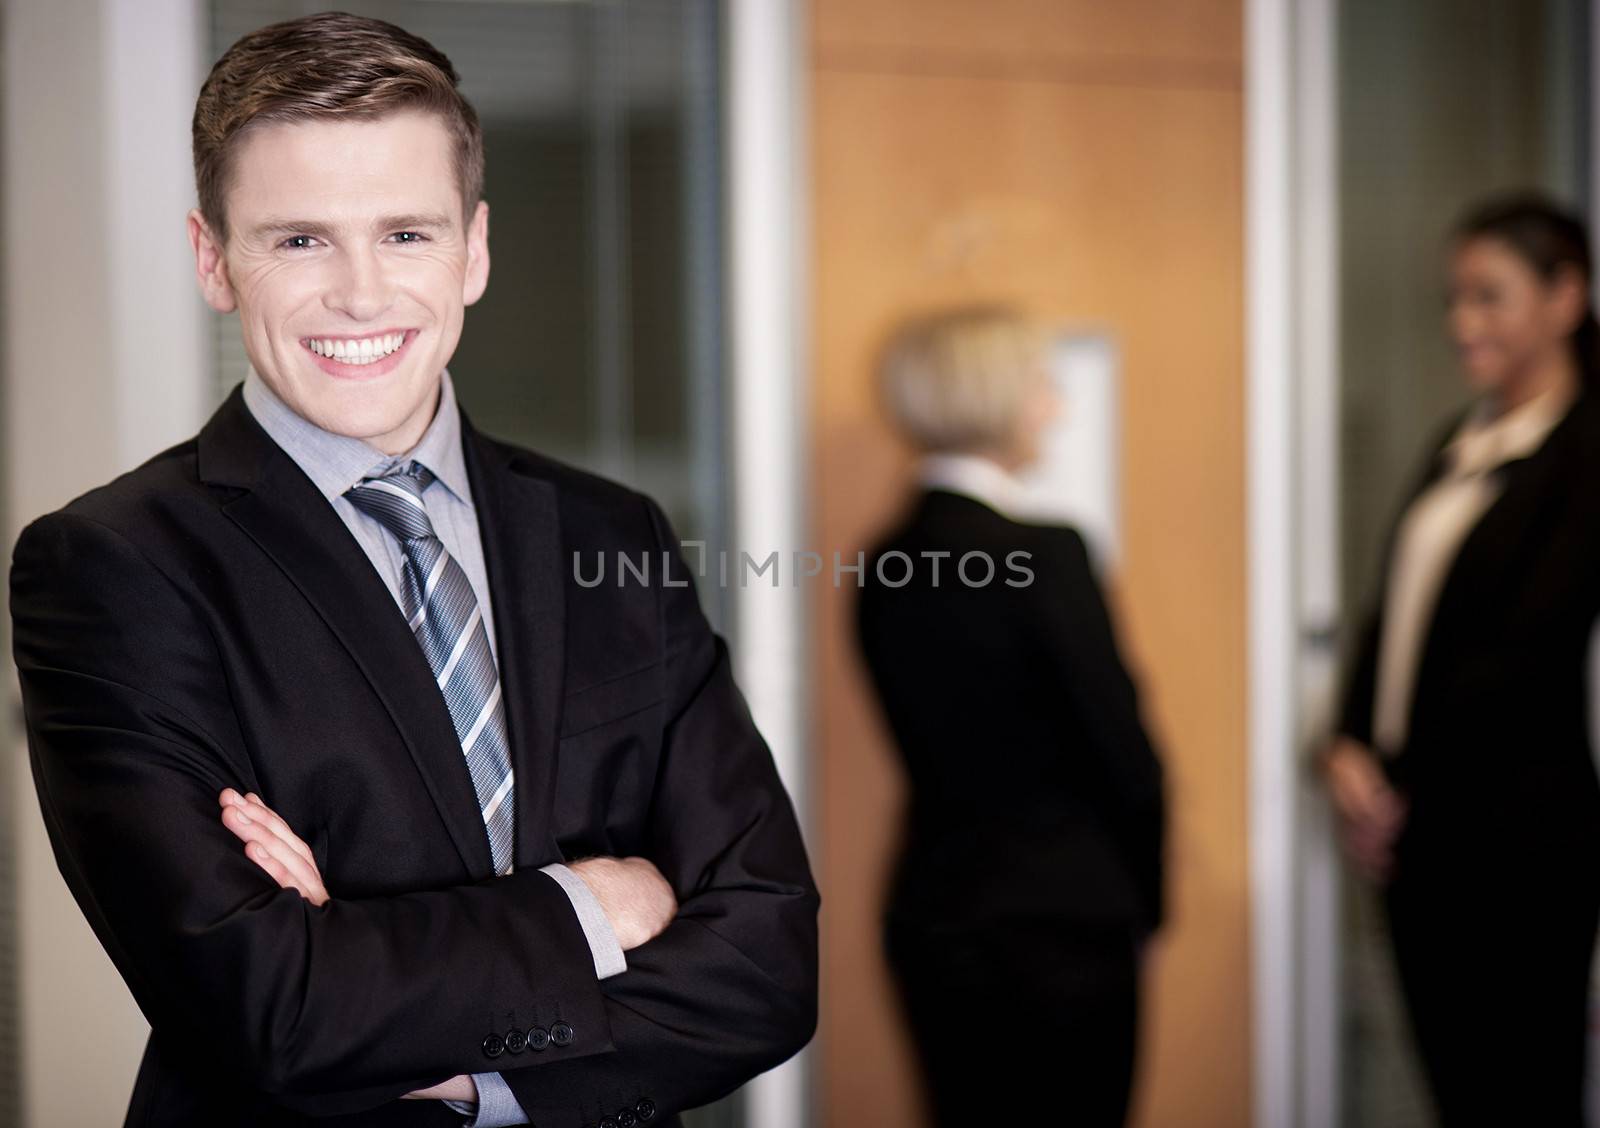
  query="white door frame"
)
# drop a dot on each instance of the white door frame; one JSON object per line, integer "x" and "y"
{"x": 1293, "y": 477}
{"x": 767, "y": 201}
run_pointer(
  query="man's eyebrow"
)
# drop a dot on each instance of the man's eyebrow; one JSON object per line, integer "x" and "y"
{"x": 277, "y": 226}
{"x": 415, "y": 219}
{"x": 281, "y": 226}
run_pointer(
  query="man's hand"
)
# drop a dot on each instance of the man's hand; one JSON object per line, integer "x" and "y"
{"x": 635, "y": 897}
{"x": 270, "y": 844}
{"x": 458, "y": 1088}
{"x": 1371, "y": 812}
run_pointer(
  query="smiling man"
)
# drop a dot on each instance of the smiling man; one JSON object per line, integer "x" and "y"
{"x": 383, "y": 817}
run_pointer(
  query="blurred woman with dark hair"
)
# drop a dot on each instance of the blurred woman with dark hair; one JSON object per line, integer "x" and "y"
{"x": 1461, "y": 769}
{"x": 1029, "y": 876}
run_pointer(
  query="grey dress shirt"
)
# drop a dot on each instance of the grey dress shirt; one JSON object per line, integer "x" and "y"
{"x": 336, "y": 462}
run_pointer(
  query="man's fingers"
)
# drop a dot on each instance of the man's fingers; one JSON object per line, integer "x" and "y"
{"x": 275, "y": 869}
{"x": 251, "y": 804}
{"x": 263, "y": 813}
{"x": 458, "y": 1088}
{"x": 265, "y": 842}
{"x": 256, "y": 833}
{"x": 306, "y": 878}
{"x": 235, "y": 819}
{"x": 283, "y": 873}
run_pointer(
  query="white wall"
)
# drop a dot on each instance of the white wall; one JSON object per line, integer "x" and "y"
{"x": 103, "y": 366}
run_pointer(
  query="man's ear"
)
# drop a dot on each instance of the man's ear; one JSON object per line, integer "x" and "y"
{"x": 210, "y": 265}
{"x": 477, "y": 276}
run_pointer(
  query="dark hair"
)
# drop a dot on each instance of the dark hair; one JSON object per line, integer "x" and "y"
{"x": 328, "y": 66}
{"x": 1550, "y": 239}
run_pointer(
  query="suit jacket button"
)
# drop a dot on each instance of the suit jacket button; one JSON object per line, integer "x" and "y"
{"x": 625, "y": 1118}
{"x": 538, "y": 1038}
{"x": 608, "y": 1122}
{"x": 646, "y": 1108}
{"x": 516, "y": 1041}
{"x": 561, "y": 1034}
{"x": 494, "y": 1046}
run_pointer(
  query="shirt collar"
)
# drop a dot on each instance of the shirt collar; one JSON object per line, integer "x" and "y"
{"x": 336, "y": 462}
{"x": 1486, "y": 441}
{"x": 973, "y": 475}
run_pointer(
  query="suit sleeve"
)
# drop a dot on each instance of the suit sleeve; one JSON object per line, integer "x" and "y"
{"x": 729, "y": 989}
{"x": 1355, "y": 707}
{"x": 330, "y": 1009}
{"x": 1075, "y": 627}
{"x": 1354, "y": 718}
{"x": 496, "y": 1107}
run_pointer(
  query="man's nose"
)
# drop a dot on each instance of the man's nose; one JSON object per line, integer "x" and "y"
{"x": 361, "y": 290}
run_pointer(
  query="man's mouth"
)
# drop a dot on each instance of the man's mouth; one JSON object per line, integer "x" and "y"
{"x": 358, "y": 351}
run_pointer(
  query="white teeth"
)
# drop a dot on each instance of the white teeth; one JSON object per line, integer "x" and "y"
{"x": 365, "y": 351}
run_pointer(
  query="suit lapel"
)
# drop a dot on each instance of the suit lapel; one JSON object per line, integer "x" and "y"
{"x": 520, "y": 528}
{"x": 1509, "y": 529}
{"x": 284, "y": 513}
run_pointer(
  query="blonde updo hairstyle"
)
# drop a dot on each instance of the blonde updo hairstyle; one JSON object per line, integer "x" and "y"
{"x": 958, "y": 380}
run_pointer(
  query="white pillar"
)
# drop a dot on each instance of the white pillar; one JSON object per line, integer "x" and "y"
{"x": 104, "y": 365}
{"x": 1269, "y": 228}
{"x": 767, "y": 189}
{"x": 1294, "y": 467}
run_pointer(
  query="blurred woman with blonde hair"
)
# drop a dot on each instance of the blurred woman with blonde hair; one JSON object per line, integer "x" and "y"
{"x": 1029, "y": 872}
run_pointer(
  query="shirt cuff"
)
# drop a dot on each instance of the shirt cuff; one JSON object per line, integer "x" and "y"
{"x": 497, "y": 1105}
{"x": 603, "y": 944}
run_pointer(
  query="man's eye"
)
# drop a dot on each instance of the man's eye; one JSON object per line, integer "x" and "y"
{"x": 297, "y": 242}
{"x": 410, "y": 237}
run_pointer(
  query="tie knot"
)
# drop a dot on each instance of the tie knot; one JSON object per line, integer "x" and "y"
{"x": 395, "y": 500}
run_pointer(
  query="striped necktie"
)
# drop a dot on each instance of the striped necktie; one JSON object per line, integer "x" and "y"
{"x": 445, "y": 617}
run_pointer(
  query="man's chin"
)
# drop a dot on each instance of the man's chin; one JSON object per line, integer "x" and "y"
{"x": 367, "y": 422}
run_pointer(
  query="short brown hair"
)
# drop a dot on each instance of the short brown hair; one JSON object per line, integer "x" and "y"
{"x": 326, "y": 66}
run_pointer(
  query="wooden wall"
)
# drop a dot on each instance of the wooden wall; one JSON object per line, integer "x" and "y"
{"x": 1085, "y": 158}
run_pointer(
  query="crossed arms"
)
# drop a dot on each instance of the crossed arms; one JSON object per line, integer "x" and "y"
{"x": 636, "y": 900}
{"x": 132, "y": 739}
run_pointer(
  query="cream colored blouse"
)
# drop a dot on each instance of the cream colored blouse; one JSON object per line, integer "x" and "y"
{"x": 1430, "y": 536}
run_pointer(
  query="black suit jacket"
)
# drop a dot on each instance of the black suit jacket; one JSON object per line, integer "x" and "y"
{"x": 207, "y": 620}
{"x": 1498, "y": 762}
{"x": 1035, "y": 790}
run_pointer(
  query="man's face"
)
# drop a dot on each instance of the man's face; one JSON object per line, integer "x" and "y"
{"x": 350, "y": 267}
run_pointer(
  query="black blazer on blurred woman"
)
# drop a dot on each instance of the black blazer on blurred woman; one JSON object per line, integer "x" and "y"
{"x": 1497, "y": 760}
{"x": 1034, "y": 788}
{"x": 1494, "y": 898}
